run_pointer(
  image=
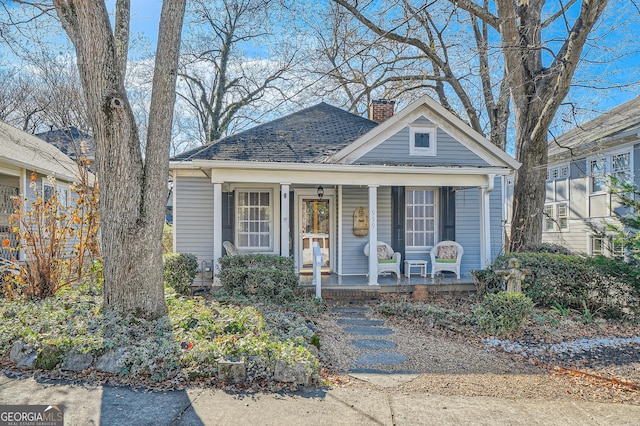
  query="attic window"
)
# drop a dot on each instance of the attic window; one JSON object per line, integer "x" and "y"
{"x": 422, "y": 141}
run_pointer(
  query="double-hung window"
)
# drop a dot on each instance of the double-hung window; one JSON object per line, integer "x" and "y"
{"x": 420, "y": 229}
{"x": 556, "y": 217}
{"x": 254, "y": 220}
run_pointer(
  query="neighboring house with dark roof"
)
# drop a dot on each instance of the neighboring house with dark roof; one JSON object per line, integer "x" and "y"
{"x": 323, "y": 174}
{"x": 21, "y": 155}
{"x": 71, "y": 141}
{"x": 580, "y": 162}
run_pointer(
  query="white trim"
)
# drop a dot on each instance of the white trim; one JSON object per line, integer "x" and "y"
{"x": 301, "y": 193}
{"x": 217, "y": 228}
{"x": 284, "y": 220}
{"x": 339, "y": 224}
{"x": 432, "y": 131}
{"x": 436, "y": 223}
{"x": 274, "y": 247}
{"x": 373, "y": 235}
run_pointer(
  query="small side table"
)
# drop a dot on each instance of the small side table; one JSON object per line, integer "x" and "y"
{"x": 408, "y": 264}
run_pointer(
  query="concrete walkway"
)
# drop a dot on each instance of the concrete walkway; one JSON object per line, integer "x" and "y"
{"x": 352, "y": 405}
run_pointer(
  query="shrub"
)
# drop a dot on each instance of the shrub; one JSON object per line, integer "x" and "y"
{"x": 570, "y": 280}
{"x": 259, "y": 276}
{"x": 180, "y": 270}
{"x": 547, "y": 248}
{"x": 503, "y": 313}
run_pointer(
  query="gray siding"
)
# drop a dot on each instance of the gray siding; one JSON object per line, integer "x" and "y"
{"x": 354, "y": 262}
{"x": 193, "y": 217}
{"x": 395, "y": 150}
{"x": 468, "y": 228}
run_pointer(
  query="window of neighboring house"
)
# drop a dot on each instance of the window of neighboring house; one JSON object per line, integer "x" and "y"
{"x": 423, "y": 141}
{"x": 47, "y": 191}
{"x": 556, "y": 217}
{"x": 617, "y": 165}
{"x": 597, "y": 246}
{"x": 562, "y": 215}
{"x": 558, "y": 172}
{"x": 617, "y": 249}
{"x": 597, "y": 170}
{"x": 420, "y": 219}
{"x": 63, "y": 196}
{"x": 255, "y": 220}
{"x": 621, "y": 166}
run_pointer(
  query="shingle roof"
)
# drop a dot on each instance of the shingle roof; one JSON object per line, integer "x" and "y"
{"x": 25, "y": 150}
{"x": 69, "y": 141}
{"x": 306, "y": 136}
{"x": 589, "y": 136}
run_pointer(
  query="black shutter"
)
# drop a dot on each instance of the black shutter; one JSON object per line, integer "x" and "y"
{"x": 397, "y": 221}
{"x": 228, "y": 217}
{"x": 448, "y": 214}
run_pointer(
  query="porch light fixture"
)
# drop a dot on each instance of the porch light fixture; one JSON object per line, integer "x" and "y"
{"x": 320, "y": 192}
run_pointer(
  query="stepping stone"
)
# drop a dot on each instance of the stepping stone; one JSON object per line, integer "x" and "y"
{"x": 367, "y": 371}
{"x": 353, "y": 315}
{"x": 349, "y": 309}
{"x": 373, "y": 344}
{"x": 364, "y": 322}
{"x": 368, "y": 331}
{"x": 385, "y": 358}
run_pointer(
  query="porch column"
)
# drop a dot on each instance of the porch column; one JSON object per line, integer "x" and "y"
{"x": 338, "y": 243}
{"x": 284, "y": 220}
{"x": 485, "y": 222}
{"x": 373, "y": 235}
{"x": 217, "y": 228}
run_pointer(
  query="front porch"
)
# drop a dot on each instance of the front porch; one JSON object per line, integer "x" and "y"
{"x": 351, "y": 287}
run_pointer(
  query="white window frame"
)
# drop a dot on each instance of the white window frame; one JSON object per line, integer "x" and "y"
{"x": 558, "y": 172}
{"x": 271, "y": 221}
{"x": 553, "y": 217}
{"x": 608, "y": 169}
{"x": 603, "y": 245}
{"x": 421, "y": 151}
{"x": 407, "y": 230}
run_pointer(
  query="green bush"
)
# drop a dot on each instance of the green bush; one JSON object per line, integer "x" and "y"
{"x": 547, "y": 248}
{"x": 571, "y": 281}
{"x": 503, "y": 313}
{"x": 179, "y": 271}
{"x": 259, "y": 276}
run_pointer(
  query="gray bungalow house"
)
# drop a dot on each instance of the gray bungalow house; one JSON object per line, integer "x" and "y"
{"x": 21, "y": 155}
{"x": 580, "y": 162}
{"x": 322, "y": 174}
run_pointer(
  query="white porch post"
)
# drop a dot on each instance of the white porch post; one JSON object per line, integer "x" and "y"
{"x": 217, "y": 228}
{"x": 338, "y": 244}
{"x": 284, "y": 220}
{"x": 485, "y": 222}
{"x": 373, "y": 235}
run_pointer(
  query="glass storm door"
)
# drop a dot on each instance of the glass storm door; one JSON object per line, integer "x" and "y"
{"x": 315, "y": 223}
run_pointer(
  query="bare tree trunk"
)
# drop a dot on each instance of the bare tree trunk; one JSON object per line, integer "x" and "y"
{"x": 132, "y": 191}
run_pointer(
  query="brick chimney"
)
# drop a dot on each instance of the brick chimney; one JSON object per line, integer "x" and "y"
{"x": 381, "y": 109}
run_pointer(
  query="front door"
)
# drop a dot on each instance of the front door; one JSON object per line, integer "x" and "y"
{"x": 314, "y": 226}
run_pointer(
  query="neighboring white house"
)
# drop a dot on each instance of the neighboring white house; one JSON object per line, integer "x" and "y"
{"x": 580, "y": 162}
{"x": 417, "y": 178}
{"x": 22, "y": 154}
